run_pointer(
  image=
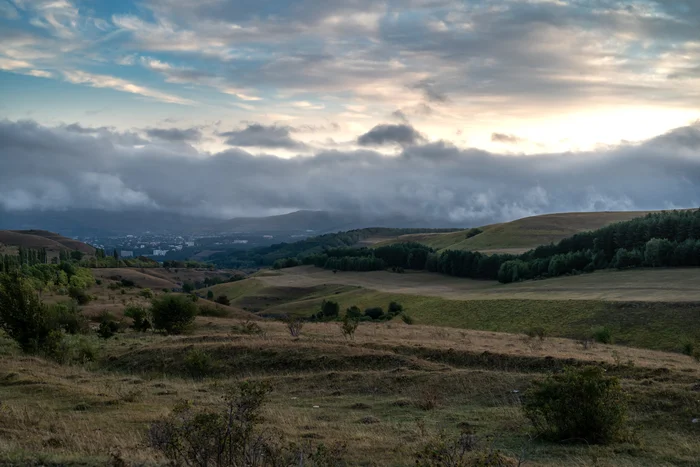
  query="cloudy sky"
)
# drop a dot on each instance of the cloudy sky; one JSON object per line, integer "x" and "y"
{"x": 457, "y": 111}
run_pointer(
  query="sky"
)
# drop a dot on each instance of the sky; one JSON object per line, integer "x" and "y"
{"x": 459, "y": 112}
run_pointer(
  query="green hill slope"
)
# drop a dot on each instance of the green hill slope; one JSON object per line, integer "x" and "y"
{"x": 522, "y": 234}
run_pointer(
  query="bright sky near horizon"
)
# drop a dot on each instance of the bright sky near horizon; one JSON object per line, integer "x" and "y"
{"x": 365, "y": 77}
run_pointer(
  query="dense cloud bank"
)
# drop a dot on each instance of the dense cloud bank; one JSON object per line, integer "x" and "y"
{"x": 56, "y": 168}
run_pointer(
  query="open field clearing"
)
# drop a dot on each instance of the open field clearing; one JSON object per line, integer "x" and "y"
{"x": 522, "y": 234}
{"x": 667, "y": 285}
{"x": 384, "y": 394}
{"x": 639, "y": 307}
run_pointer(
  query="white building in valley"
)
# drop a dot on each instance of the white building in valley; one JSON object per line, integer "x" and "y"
{"x": 126, "y": 254}
{"x": 160, "y": 252}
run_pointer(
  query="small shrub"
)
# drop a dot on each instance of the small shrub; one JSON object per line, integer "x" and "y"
{"x": 66, "y": 349}
{"x": 536, "y": 332}
{"x": 353, "y": 312}
{"x": 602, "y": 334}
{"x": 407, "y": 319}
{"x": 688, "y": 347}
{"x": 194, "y": 297}
{"x": 127, "y": 283}
{"x": 445, "y": 452}
{"x": 232, "y": 437}
{"x": 395, "y": 308}
{"x": 247, "y": 327}
{"x": 429, "y": 400}
{"x": 329, "y": 309}
{"x": 198, "y": 363}
{"x": 223, "y": 300}
{"x": 210, "y": 295}
{"x": 107, "y": 329}
{"x": 172, "y": 314}
{"x": 98, "y": 281}
{"x": 23, "y": 316}
{"x": 79, "y": 295}
{"x": 374, "y": 313}
{"x": 139, "y": 316}
{"x": 348, "y": 327}
{"x": 67, "y": 317}
{"x": 577, "y": 404}
{"x": 188, "y": 287}
{"x": 146, "y": 293}
{"x": 294, "y": 325}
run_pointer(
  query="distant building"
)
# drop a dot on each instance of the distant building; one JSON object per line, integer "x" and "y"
{"x": 268, "y": 236}
{"x": 240, "y": 241}
{"x": 126, "y": 254}
{"x": 160, "y": 252}
{"x": 189, "y": 243}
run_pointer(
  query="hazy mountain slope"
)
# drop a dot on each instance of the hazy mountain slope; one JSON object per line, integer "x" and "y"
{"x": 37, "y": 239}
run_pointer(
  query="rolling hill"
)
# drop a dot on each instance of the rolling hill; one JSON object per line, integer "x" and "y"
{"x": 38, "y": 239}
{"x": 520, "y": 235}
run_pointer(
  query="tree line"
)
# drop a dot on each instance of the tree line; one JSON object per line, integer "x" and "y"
{"x": 664, "y": 239}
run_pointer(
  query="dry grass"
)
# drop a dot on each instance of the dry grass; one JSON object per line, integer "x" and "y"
{"x": 384, "y": 394}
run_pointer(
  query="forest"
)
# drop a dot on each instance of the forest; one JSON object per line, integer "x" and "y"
{"x": 665, "y": 239}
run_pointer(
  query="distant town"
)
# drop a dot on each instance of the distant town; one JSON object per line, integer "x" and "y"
{"x": 163, "y": 247}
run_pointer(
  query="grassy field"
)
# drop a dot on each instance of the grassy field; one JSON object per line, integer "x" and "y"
{"x": 384, "y": 394}
{"x": 638, "y": 307}
{"x": 522, "y": 234}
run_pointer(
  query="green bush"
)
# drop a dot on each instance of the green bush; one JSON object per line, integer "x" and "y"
{"x": 210, "y": 295}
{"x": 395, "y": 308}
{"x": 139, "y": 316}
{"x": 353, "y": 312}
{"x": 688, "y": 347}
{"x": 223, "y": 300}
{"x": 67, "y": 317}
{"x": 407, "y": 319}
{"x": 107, "y": 329}
{"x": 349, "y": 326}
{"x": 23, "y": 316}
{"x": 172, "y": 314}
{"x": 602, "y": 334}
{"x": 79, "y": 295}
{"x": 374, "y": 313}
{"x": 67, "y": 349}
{"x": 232, "y": 437}
{"x": 147, "y": 294}
{"x": 578, "y": 404}
{"x": 198, "y": 363}
{"x": 329, "y": 309}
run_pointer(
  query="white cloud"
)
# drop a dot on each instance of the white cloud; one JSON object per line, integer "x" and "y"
{"x": 112, "y": 82}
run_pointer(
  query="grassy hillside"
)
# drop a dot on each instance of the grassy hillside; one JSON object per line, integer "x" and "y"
{"x": 655, "y": 309}
{"x": 38, "y": 239}
{"x": 522, "y": 234}
{"x": 385, "y": 395}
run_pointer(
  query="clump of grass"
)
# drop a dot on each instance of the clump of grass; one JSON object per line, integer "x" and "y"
{"x": 247, "y": 327}
{"x": 198, "y": 363}
{"x": 407, "y": 319}
{"x": 215, "y": 311}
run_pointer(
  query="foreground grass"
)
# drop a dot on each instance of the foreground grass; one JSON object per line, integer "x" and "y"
{"x": 384, "y": 394}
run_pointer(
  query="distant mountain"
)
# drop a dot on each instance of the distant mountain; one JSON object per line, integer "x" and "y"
{"x": 38, "y": 239}
{"x": 80, "y": 223}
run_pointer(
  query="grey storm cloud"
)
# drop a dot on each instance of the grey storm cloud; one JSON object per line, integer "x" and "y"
{"x": 403, "y": 134}
{"x": 175, "y": 134}
{"x": 438, "y": 183}
{"x": 505, "y": 138}
{"x": 257, "y": 135}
